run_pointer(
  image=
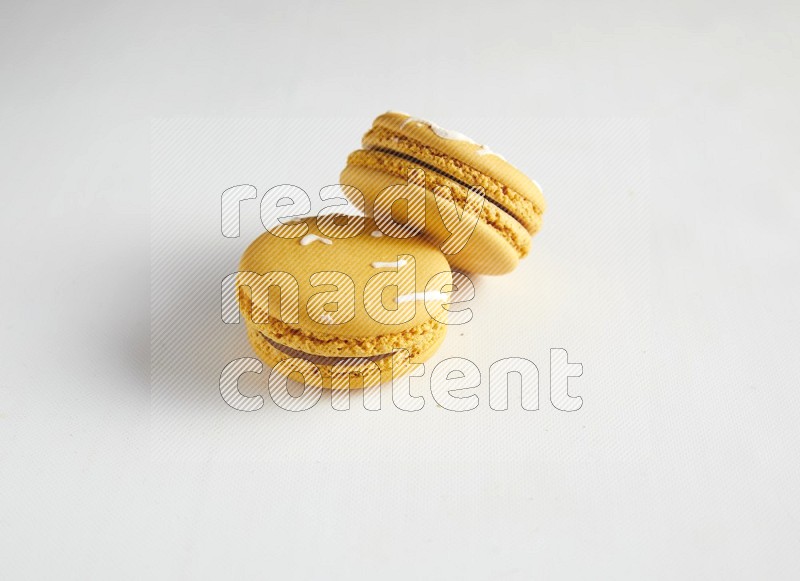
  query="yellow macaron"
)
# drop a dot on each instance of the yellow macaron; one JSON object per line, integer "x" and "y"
{"x": 342, "y": 303}
{"x": 453, "y": 165}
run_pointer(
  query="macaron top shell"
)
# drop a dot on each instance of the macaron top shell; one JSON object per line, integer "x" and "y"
{"x": 339, "y": 294}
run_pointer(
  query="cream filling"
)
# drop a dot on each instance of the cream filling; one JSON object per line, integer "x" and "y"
{"x": 323, "y": 359}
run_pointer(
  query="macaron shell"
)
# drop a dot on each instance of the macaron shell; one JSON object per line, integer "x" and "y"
{"x": 486, "y": 252}
{"x": 358, "y": 259}
{"x": 472, "y": 154}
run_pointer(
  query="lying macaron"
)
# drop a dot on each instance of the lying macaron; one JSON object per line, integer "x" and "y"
{"x": 454, "y": 165}
{"x": 336, "y": 300}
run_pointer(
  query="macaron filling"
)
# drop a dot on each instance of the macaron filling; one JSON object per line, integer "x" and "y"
{"x": 323, "y": 359}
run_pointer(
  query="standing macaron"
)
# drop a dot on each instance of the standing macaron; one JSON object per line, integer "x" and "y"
{"x": 336, "y": 300}
{"x": 507, "y": 211}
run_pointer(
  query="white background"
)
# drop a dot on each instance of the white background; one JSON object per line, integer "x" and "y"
{"x": 683, "y": 460}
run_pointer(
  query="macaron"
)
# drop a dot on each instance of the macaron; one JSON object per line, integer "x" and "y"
{"x": 342, "y": 303}
{"x": 456, "y": 168}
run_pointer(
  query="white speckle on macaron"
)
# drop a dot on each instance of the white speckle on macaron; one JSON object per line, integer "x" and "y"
{"x": 309, "y": 238}
{"x": 398, "y": 264}
{"x": 429, "y": 296}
